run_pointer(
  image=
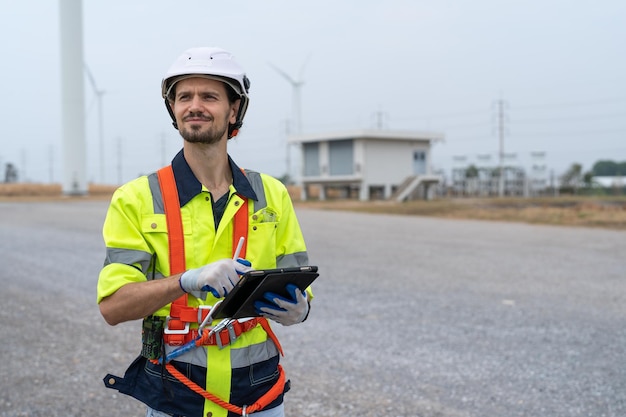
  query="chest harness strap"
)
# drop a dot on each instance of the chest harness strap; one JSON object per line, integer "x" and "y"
{"x": 177, "y": 331}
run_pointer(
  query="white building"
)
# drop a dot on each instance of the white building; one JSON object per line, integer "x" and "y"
{"x": 374, "y": 163}
{"x": 616, "y": 182}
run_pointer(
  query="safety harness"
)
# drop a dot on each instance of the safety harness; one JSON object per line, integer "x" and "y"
{"x": 177, "y": 330}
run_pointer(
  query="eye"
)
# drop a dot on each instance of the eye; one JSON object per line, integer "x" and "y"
{"x": 209, "y": 97}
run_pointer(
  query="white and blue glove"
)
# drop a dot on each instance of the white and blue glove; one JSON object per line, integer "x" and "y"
{"x": 218, "y": 278}
{"x": 286, "y": 311}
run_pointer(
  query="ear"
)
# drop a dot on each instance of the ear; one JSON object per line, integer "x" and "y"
{"x": 234, "y": 111}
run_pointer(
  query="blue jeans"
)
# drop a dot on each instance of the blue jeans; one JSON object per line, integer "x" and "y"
{"x": 272, "y": 412}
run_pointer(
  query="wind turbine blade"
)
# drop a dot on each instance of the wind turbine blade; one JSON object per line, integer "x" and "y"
{"x": 304, "y": 64}
{"x": 283, "y": 74}
{"x": 92, "y": 80}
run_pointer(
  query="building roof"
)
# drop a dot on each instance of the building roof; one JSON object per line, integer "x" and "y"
{"x": 373, "y": 134}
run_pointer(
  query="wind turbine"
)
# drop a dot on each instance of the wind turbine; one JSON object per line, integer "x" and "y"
{"x": 99, "y": 94}
{"x": 296, "y": 95}
{"x": 296, "y": 103}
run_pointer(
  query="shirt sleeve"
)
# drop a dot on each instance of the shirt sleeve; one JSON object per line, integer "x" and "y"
{"x": 128, "y": 255}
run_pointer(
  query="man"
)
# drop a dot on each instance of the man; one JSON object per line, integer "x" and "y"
{"x": 171, "y": 241}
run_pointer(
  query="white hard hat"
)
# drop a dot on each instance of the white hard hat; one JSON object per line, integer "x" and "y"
{"x": 212, "y": 63}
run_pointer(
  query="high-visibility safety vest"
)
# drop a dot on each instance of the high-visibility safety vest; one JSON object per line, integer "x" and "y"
{"x": 136, "y": 238}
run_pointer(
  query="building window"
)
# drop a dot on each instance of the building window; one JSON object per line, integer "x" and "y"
{"x": 311, "y": 159}
{"x": 341, "y": 157}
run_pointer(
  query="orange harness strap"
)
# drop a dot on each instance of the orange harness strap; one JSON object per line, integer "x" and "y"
{"x": 176, "y": 240}
{"x": 171, "y": 205}
{"x": 240, "y": 228}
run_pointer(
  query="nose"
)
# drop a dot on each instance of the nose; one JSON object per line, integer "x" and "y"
{"x": 195, "y": 104}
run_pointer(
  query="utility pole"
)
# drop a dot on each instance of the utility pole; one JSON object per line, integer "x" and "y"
{"x": 501, "y": 119}
{"x": 380, "y": 116}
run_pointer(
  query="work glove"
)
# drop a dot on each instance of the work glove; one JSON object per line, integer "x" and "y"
{"x": 218, "y": 278}
{"x": 286, "y": 311}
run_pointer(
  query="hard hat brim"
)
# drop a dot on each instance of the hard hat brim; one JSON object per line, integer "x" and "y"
{"x": 167, "y": 84}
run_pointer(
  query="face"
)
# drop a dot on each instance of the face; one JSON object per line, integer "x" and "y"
{"x": 202, "y": 110}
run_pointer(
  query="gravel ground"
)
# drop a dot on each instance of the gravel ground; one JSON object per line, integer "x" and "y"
{"x": 413, "y": 316}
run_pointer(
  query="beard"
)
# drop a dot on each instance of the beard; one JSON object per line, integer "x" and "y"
{"x": 195, "y": 134}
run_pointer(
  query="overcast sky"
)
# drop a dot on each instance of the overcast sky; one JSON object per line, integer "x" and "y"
{"x": 559, "y": 66}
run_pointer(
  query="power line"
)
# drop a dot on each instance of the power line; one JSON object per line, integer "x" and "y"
{"x": 449, "y": 115}
{"x": 574, "y": 118}
{"x": 573, "y": 103}
{"x": 472, "y": 125}
{"x": 576, "y": 133}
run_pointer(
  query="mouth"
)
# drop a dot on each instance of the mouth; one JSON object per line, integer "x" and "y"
{"x": 196, "y": 118}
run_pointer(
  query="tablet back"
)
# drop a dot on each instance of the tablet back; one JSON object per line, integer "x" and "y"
{"x": 253, "y": 285}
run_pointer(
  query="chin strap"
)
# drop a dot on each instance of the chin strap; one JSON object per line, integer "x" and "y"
{"x": 171, "y": 112}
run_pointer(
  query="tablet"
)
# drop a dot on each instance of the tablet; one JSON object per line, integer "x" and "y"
{"x": 253, "y": 285}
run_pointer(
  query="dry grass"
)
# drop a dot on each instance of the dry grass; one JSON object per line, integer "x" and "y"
{"x": 604, "y": 212}
{"x": 29, "y": 190}
{"x": 33, "y": 191}
{"x": 607, "y": 212}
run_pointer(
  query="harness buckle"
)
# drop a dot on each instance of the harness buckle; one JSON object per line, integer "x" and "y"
{"x": 209, "y": 318}
{"x": 218, "y": 340}
{"x": 167, "y": 329}
{"x": 217, "y": 331}
{"x": 201, "y": 310}
{"x": 232, "y": 335}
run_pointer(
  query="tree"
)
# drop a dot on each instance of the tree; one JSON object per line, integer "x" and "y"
{"x": 471, "y": 171}
{"x": 607, "y": 168}
{"x": 10, "y": 173}
{"x": 604, "y": 168}
{"x": 572, "y": 177}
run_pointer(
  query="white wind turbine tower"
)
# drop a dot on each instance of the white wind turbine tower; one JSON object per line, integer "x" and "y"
{"x": 296, "y": 104}
{"x": 72, "y": 98}
{"x": 99, "y": 94}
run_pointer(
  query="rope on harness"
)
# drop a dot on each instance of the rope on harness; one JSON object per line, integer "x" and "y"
{"x": 261, "y": 403}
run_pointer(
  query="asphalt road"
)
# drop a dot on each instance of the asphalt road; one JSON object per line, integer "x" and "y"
{"x": 413, "y": 316}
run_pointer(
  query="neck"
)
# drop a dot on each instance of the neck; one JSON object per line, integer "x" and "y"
{"x": 209, "y": 163}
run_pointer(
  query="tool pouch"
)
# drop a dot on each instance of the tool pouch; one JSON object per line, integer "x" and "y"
{"x": 152, "y": 337}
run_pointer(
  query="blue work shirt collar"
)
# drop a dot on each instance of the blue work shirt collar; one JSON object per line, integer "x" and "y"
{"x": 188, "y": 185}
